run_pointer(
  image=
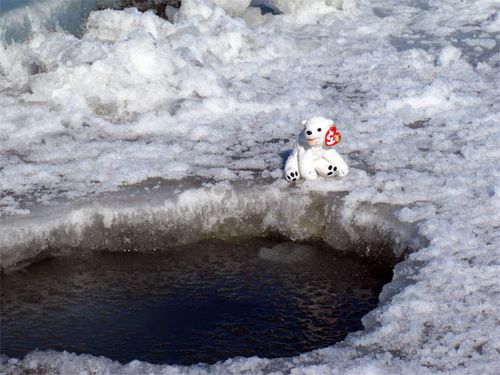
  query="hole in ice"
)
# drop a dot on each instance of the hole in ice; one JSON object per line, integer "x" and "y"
{"x": 184, "y": 305}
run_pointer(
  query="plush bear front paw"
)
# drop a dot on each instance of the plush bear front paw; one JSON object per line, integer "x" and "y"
{"x": 292, "y": 175}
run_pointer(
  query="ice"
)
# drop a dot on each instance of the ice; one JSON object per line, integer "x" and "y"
{"x": 233, "y": 7}
{"x": 138, "y": 126}
{"x": 449, "y": 55}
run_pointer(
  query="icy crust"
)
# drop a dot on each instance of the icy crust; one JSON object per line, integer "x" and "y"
{"x": 338, "y": 360}
{"x": 413, "y": 86}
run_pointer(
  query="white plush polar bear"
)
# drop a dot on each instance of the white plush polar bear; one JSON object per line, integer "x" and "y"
{"x": 313, "y": 152}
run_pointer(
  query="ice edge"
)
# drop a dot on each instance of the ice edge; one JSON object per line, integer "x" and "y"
{"x": 133, "y": 221}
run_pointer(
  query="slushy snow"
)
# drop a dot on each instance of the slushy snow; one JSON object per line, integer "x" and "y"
{"x": 218, "y": 95}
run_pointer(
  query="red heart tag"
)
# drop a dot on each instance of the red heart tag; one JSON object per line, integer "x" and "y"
{"x": 332, "y": 137}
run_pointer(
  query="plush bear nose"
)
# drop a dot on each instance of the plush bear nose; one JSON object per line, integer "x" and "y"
{"x": 309, "y": 132}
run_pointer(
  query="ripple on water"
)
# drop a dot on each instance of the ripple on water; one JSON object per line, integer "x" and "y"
{"x": 202, "y": 303}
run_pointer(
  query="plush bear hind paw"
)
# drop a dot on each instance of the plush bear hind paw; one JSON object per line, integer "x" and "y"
{"x": 332, "y": 170}
{"x": 292, "y": 175}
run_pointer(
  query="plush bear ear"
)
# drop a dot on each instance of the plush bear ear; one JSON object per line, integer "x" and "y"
{"x": 332, "y": 136}
{"x": 303, "y": 122}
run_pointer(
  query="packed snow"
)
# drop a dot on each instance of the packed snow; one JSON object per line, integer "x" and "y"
{"x": 135, "y": 102}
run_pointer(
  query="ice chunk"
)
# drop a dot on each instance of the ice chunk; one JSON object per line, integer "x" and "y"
{"x": 448, "y": 55}
{"x": 114, "y": 25}
{"x": 417, "y": 212}
{"x": 192, "y": 9}
{"x": 233, "y": 7}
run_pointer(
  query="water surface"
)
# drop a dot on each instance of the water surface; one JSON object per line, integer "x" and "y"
{"x": 201, "y": 303}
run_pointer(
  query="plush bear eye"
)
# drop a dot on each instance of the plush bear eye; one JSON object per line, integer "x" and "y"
{"x": 319, "y": 129}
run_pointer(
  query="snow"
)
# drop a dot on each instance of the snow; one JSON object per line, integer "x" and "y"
{"x": 190, "y": 122}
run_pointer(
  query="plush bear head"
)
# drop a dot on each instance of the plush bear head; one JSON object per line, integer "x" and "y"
{"x": 320, "y": 132}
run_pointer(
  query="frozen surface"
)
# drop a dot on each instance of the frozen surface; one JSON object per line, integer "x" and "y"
{"x": 412, "y": 84}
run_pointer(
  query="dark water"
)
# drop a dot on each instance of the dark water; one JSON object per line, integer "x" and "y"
{"x": 199, "y": 304}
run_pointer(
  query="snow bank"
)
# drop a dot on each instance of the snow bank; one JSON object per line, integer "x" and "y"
{"x": 413, "y": 87}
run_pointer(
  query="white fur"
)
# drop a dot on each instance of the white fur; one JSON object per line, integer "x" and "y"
{"x": 309, "y": 161}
